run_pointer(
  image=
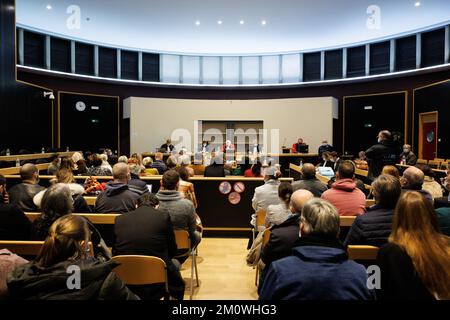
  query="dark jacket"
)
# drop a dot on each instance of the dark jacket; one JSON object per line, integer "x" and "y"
{"x": 282, "y": 239}
{"x": 419, "y": 189}
{"x": 14, "y": 225}
{"x": 410, "y": 158}
{"x": 381, "y": 154}
{"x": 399, "y": 280}
{"x": 443, "y": 215}
{"x": 159, "y": 165}
{"x": 214, "y": 170}
{"x": 138, "y": 186}
{"x": 325, "y": 148}
{"x": 116, "y": 198}
{"x": 22, "y": 195}
{"x": 98, "y": 282}
{"x": 318, "y": 269}
{"x": 372, "y": 228}
{"x": 315, "y": 186}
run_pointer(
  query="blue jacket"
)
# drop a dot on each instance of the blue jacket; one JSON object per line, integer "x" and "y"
{"x": 316, "y": 272}
{"x": 372, "y": 228}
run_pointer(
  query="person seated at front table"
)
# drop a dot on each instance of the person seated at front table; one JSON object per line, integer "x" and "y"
{"x": 299, "y": 147}
{"x": 167, "y": 147}
{"x": 361, "y": 162}
{"x": 407, "y": 156}
{"x": 228, "y": 147}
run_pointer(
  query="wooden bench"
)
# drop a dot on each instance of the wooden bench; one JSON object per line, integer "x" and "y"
{"x": 95, "y": 218}
{"x": 16, "y": 170}
{"x": 29, "y": 248}
{"x": 35, "y": 156}
{"x": 362, "y": 252}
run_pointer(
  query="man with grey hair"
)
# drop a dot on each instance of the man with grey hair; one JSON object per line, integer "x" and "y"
{"x": 136, "y": 184}
{"x": 117, "y": 196}
{"x": 318, "y": 268}
{"x": 309, "y": 181}
{"x": 412, "y": 180}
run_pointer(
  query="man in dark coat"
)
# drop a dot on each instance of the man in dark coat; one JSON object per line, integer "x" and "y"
{"x": 374, "y": 227}
{"x": 22, "y": 194}
{"x": 385, "y": 152}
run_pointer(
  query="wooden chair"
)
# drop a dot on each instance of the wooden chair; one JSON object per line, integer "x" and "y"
{"x": 142, "y": 270}
{"x": 260, "y": 222}
{"x": 199, "y": 169}
{"x": 265, "y": 240}
{"x": 346, "y": 221}
{"x": 183, "y": 241}
{"x": 370, "y": 202}
{"x": 362, "y": 252}
{"x": 445, "y": 165}
{"x": 29, "y": 248}
{"x": 434, "y": 164}
{"x": 422, "y": 161}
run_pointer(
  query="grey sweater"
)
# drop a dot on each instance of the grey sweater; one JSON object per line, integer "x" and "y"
{"x": 181, "y": 211}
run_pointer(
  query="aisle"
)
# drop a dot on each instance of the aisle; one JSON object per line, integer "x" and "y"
{"x": 222, "y": 270}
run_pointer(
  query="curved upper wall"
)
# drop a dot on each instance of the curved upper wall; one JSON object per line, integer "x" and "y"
{"x": 237, "y": 27}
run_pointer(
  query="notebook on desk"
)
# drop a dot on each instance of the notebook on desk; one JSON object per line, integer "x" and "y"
{"x": 326, "y": 172}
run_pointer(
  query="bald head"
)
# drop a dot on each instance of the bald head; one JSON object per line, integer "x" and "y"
{"x": 121, "y": 172}
{"x": 412, "y": 177}
{"x": 308, "y": 171}
{"x": 298, "y": 199}
{"x": 29, "y": 172}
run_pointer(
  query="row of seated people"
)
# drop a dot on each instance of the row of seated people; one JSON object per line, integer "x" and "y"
{"x": 382, "y": 225}
{"x": 145, "y": 229}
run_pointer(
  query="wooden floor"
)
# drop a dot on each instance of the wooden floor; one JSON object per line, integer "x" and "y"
{"x": 222, "y": 271}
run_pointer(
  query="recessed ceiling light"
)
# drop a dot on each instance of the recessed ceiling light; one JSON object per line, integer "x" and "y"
{"x": 264, "y": 22}
{"x": 219, "y": 22}
{"x": 49, "y": 7}
{"x": 241, "y": 22}
{"x": 197, "y": 23}
{"x": 417, "y": 4}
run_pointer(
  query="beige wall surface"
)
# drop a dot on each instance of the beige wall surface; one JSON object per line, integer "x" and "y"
{"x": 152, "y": 120}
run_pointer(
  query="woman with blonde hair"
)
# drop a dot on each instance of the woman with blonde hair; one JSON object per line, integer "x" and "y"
{"x": 392, "y": 171}
{"x": 415, "y": 264}
{"x": 51, "y": 275}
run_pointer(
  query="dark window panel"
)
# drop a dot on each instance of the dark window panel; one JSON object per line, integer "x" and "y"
{"x": 311, "y": 66}
{"x": 356, "y": 62}
{"x": 150, "y": 67}
{"x": 107, "y": 62}
{"x": 333, "y": 64}
{"x": 84, "y": 59}
{"x": 405, "y": 53}
{"x": 129, "y": 65}
{"x": 60, "y": 55}
{"x": 433, "y": 48}
{"x": 380, "y": 57}
{"x": 34, "y": 49}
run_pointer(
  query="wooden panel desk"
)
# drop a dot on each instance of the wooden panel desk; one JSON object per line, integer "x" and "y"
{"x": 35, "y": 156}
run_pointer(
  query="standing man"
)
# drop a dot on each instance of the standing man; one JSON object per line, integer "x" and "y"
{"x": 381, "y": 154}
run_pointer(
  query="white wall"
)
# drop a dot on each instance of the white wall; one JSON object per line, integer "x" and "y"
{"x": 152, "y": 120}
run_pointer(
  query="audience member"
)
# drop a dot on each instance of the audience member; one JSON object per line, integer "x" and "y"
{"x": 344, "y": 194}
{"x": 181, "y": 211}
{"x": 148, "y": 231}
{"x": 415, "y": 264}
{"x": 392, "y": 171}
{"x": 407, "y": 156}
{"x": 81, "y": 168}
{"x": 147, "y": 163}
{"x": 22, "y": 194}
{"x": 185, "y": 161}
{"x": 135, "y": 184}
{"x": 96, "y": 169}
{"x": 336, "y": 160}
{"x": 361, "y": 162}
{"x": 55, "y": 162}
{"x": 117, "y": 196}
{"x": 215, "y": 168}
{"x": 318, "y": 268}
{"x": 278, "y": 213}
{"x": 443, "y": 216}
{"x": 412, "y": 179}
{"x": 105, "y": 164}
{"x": 381, "y": 154}
{"x": 171, "y": 162}
{"x": 14, "y": 225}
{"x": 186, "y": 188}
{"x": 374, "y": 227}
{"x": 309, "y": 181}
{"x": 429, "y": 184}
{"x": 159, "y": 163}
{"x": 242, "y": 166}
{"x": 123, "y": 159}
{"x": 324, "y": 147}
{"x": 46, "y": 277}
{"x": 444, "y": 201}
{"x": 266, "y": 194}
{"x": 326, "y": 160}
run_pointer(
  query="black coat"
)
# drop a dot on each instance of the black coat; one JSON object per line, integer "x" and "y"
{"x": 372, "y": 228}
{"x": 380, "y": 155}
{"x": 399, "y": 279}
{"x": 14, "y": 225}
{"x": 282, "y": 239}
{"x": 98, "y": 282}
{"x": 22, "y": 195}
{"x": 214, "y": 170}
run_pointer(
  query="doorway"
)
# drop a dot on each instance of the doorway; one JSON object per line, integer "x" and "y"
{"x": 428, "y": 135}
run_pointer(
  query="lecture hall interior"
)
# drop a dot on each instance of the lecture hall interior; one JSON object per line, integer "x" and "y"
{"x": 242, "y": 150}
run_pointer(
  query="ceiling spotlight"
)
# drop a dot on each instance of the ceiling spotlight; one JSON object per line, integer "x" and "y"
{"x": 241, "y": 22}
{"x": 219, "y": 22}
{"x": 264, "y": 22}
{"x": 417, "y": 4}
{"x": 197, "y": 23}
{"x": 49, "y": 7}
